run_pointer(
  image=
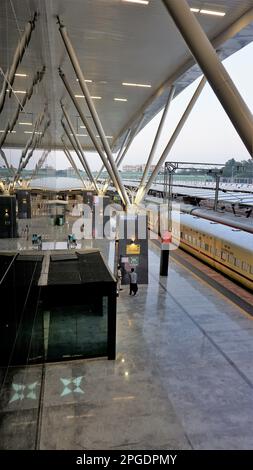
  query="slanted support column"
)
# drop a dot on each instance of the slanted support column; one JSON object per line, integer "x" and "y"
{"x": 97, "y": 122}
{"x": 173, "y": 138}
{"x": 122, "y": 155}
{"x": 155, "y": 144}
{"x": 91, "y": 133}
{"x": 87, "y": 168}
{"x": 213, "y": 69}
{"x": 72, "y": 163}
{"x": 119, "y": 153}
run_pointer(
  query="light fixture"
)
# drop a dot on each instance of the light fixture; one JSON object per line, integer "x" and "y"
{"x": 25, "y": 123}
{"x": 195, "y": 10}
{"x": 140, "y": 2}
{"x": 93, "y": 97}
{"x": 18, "y": 92}
{"x": 107, "y": 136}
{"x": 81, "y": 135}
{"x": 28, "y": 132}
{"x": 87, "y": 81}
{"x": 212, "y": 12}
{"x": 141, "y": 85}
{"x": 120, "y": 99}
{"x": 21, "y": 75}
{"x": 82, "y": 127}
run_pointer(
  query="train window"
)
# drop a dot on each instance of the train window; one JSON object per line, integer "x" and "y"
{"x": 190, "y": 238}
{"x": 181, "y": 235}
{"x": 194, "y": 241}
{"x": 218, "y": 254}
{"x": 206, "y": 247}
{"x": 202, "y": 245}
{"x": 245, "y": 266}
{"x": 224, "y": 256}
{"x": 231, "y": 259}
{"x": 238, "y": 262}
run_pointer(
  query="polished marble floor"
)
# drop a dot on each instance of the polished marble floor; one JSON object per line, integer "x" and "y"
{"x": 183, "y": 378}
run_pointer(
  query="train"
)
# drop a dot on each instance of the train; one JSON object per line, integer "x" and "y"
{"x": 227, "y": 249}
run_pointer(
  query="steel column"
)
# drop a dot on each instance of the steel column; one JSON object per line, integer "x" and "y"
{"x": 216, "y": 74}
{"x": 87, "y": 168}
{"x": 90, "y": 132}
{"x": 119, "y": 153}
{"x": 72, "y": 163}
{"x": 97, "y": 122}
{"x": 155, "y": 144}
{"x": 73, "y": 144}
{"x": 173, "y": 138}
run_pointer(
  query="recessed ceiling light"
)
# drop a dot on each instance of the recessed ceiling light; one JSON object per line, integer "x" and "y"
{"x": 107, "y": 136}
{"x": 141, "y": 2}
{"x": 142, "y": 85}
{"x": 212, "y": 12}
{"x": 93, "y": 97}
{"x": 21, "y": 75}
{"x": 120, "y": 99}
{"x": 25, "y": 123}
{"x": 13, "y": 132}
{"x": 19, "y": 92}
{"x": 86, "y": 80}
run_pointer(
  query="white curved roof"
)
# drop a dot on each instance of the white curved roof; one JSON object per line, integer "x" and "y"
{"x": 116, "y": 42}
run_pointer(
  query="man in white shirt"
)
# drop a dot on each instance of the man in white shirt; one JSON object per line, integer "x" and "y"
{"x": 133, "y": 282}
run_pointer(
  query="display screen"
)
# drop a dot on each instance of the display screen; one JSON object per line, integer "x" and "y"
{"x": 133, "y": 249}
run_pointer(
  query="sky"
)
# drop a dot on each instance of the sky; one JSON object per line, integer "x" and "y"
{"x": 208, "y": 135}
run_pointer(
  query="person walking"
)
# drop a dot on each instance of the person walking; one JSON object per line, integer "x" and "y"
{"x": 133, "y": 282}
{"x": 119, "y": 278}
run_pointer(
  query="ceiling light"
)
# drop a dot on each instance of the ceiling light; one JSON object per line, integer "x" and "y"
{"x": 142, "y": 85}
{"x": 93, "y": 97}
{"x": 81, "y": 135}
{"x": 107, "y": 136}
{"x": 212, "y": 12}
{"x": 87, "y": 81}
{"x": 19, "y": 92}
{"x": 195, "y": 10}
{"x": 21, "y": 75}
{"x": 140, "y": 2}
{"x": 11, "y": 132}
{"x": 25, "y": 123}
{"x": 120, "y": 99}
{"x": 82, "y": 127}
{"x": 28, "y": 132}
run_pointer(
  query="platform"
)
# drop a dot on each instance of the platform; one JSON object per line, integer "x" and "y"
{"x": 183, "y": 378}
